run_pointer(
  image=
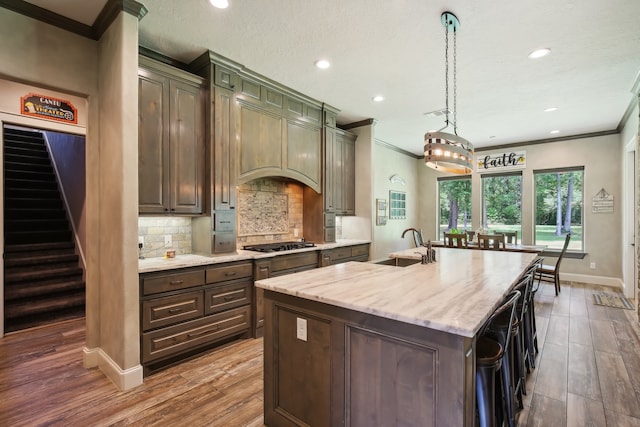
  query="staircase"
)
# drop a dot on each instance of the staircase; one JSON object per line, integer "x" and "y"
{"x": 43, "y": 282}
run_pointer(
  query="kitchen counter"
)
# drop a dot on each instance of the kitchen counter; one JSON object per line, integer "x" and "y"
{"x": 148, "y": 265}
{"x": 371, "y": 344}
{"x": 456, "y": 294}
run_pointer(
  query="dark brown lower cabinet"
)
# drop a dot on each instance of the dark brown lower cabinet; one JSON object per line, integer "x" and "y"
{"x": 356, "y": 369}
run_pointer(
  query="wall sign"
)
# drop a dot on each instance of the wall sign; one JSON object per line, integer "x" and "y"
{"x": 46, "y": 107}
{"x": 501, "y": 161}
{"x": 602, "y": 202}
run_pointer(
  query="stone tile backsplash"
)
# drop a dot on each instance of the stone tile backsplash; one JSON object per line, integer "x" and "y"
{"x": 154, "y": 229}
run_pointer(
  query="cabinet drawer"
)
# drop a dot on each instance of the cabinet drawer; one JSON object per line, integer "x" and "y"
{"x": 195, "y": 333}
{"x": 359, "y": 250}
{"x": 224, "y": 221}
{"x": 169, "y": 310}
{"x": 229, "y": 272}
{"x": 329, "y": 234}
{"x": 340, "y": 253}
{"x": 287, "y": 262}
{"x": 221, "y": 298}
{"x": 224, "y": 242}
{"x": 172, "y": 282}
{"x": 329, "y": 219}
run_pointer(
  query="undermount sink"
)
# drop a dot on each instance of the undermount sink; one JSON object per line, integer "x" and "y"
{"x": 397, "y": 262}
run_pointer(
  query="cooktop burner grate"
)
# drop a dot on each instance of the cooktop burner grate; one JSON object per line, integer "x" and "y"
{"x": 278, "y": 247}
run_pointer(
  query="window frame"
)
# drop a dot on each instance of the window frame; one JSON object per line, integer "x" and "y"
{"x": 440, "y": 232}
{"x": 484, "y": 176}
{"x": 536, "y": 172}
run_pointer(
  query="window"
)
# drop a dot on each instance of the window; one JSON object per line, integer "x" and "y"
{"x": 502, "y": 202}
{"x": 559, "y": 207}
{"x": 454, "y": 201}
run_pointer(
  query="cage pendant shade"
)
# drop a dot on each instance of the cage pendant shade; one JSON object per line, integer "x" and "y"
{"x": 448, "y": 153}
{"x": 444, "y": 151}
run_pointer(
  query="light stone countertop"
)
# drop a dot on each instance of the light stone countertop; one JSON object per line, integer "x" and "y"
{"x": 148, "y": 265}
{"x": 456, "y": 294}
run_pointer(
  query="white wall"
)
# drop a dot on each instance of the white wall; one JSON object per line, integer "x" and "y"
{"x": 600, "y": 157}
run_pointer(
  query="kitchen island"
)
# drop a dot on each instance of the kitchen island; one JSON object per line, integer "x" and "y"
{"x": 367, "y": 344}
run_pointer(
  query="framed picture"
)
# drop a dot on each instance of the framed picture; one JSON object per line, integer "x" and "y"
{"x": 381, "y": 211}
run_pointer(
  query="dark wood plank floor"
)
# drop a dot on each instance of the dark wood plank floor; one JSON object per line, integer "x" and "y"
{"x": 588, "y": 373}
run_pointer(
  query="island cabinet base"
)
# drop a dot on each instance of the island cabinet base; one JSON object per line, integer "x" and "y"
{"x": 356, "y": 369}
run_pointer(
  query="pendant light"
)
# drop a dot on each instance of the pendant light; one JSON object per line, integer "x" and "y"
{"x": 444, "y": 151}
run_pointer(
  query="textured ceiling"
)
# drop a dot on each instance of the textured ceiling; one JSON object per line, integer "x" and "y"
{"x": 396, "y": 48}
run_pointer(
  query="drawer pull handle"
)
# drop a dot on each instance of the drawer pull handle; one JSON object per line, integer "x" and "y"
{"x": 176, "y": 282}
{"x": 214, "y": 329}
{"x": 175, "y": 310}
{"x": 230, "y": 273}
{"x": 229, "y": 297}
{"x": 264, "y": 268}
{"x": 225, "y": 222}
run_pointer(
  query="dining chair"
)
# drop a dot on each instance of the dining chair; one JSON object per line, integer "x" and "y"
{"x": 511, "y": 237}
{"x": 551, "y": 273}
{"x": 455, "y": 240}
{"x": 470, "y": 235}
{"x": 491, "y": 241}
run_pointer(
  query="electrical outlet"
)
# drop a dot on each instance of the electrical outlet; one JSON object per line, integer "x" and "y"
{"x": 295, "y": 232}
{"x": 141, "y": 240}
{"x": 592, "y": 266}
{"x": 301, "y": 328}
{"x": 168, "y": 240}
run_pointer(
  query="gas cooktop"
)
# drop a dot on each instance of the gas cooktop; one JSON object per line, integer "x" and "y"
{"x": 278, "y": 247}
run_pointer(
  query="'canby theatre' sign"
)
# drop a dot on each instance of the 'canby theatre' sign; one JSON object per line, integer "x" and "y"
{"x": 46, "y": 107}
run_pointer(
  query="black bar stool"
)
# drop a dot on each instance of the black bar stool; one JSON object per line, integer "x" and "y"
{"x": 495, "y": 358}
{"x": 531, "y": 333}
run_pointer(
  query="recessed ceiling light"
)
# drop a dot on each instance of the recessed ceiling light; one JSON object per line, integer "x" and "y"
{"x": 322, "y": 64}
{"x": 555, "y": 131}
{"x": 550, "y": 109}
{"x": 539, "y": 53}
{"x": 378, "y": 98}
{"x": 491, "y": 136}
{"x": 220, "y": 4}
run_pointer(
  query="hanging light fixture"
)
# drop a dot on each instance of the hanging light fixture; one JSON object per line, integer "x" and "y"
{"x": 445, "y": 151}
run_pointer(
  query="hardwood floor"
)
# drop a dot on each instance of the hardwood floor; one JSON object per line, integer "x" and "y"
{"x": 587, "y": 373}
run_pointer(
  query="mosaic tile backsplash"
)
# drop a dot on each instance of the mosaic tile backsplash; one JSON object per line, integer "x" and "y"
{"x": 269, "y": 210}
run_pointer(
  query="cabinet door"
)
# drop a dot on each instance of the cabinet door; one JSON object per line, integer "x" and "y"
{"x": 153, "y": 143}
{"x": 186, "y": 149}
{"x": 329, "y": 179}
{"x": 304, "y": 153}
{"x": 260, "y": 150}
{"x": 338, "y": 174}
{"x": 224, "y": 150}
{"x": 349, "y": 175}
{"x": 262, "y": 271}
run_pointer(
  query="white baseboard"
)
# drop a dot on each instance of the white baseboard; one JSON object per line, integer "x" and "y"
{"x": 90, "y": 357}
{"x": 613, "y": 282}
{"x": 123, "y": 379}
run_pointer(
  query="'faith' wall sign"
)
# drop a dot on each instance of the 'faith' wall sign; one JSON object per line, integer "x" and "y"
{"x": 502, "y": 161}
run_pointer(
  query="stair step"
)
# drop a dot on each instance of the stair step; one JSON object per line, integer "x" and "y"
{"x": 34, "y": 213}
{"x": 26, "y": 152}
{"x": 22, "y": 275}
{"x": 37, "y": 306}
{"x": 43, "y": 236}
{"x": 39, "y": 247}
{"x": 35, "y": 182}
{"x": 35, "y": 144}
{"x": 18, "y": 324}
{"x": 20, "y": 202}
{"x": 27, "y": 174}
{"x": 21, "y": 133}
{"x": 38, "y": 259}
{"x": 27, "y": 158}
{"x": 31, "y": 193}
{"x": 22, "y": 166}
{"x": 38, "y": 289}
{"x": 36, "y": 225}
